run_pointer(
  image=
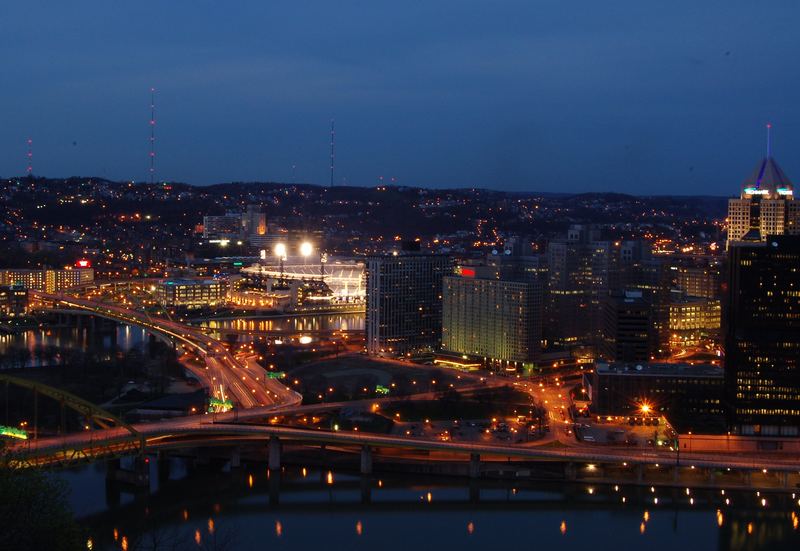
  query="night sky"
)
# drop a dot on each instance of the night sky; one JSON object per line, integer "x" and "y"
{"x": 535, "y": 95}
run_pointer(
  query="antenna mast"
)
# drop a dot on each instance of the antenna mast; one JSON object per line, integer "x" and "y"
{"x": 152, "y": 134}
{"x": 333, "y": 150}
{"x": 30, "y": 157}
{"x": 769, "y": 139}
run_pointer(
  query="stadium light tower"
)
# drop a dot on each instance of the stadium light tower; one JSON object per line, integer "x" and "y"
{"x": 306, "y": 248}
{"x": 280, "y": 252}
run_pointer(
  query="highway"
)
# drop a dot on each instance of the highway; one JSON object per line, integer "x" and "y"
{"x": 227, "y": 376}
{"x": 193, "y": 431}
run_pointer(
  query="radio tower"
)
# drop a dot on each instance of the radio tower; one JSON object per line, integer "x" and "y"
{"x": 152, "y": 134}
{"x": 30, "y": 157}
{"x": 333, "y": 143}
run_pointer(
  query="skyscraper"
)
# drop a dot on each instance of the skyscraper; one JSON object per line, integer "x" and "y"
{"x": 762, "y": 337}
{"x": 628, "y": 333}
{"x": 493, "y": 315}
{"x": 766, "y": 206}
{"x": 404, "y": 302}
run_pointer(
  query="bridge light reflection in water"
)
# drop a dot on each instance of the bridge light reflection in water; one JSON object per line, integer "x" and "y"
{"x": 307, "y": 509}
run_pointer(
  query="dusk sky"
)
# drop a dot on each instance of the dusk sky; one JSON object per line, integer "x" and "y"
{"x": 536, "y": 95}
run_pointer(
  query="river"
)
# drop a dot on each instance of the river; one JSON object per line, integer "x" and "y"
{"x": 312, "y": 509}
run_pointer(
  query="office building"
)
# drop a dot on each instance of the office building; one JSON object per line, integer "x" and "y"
{"x": 765, "y": 207}
{"x": 492, "y": 318}
{"x": 254, "y": 224}
{"x": 191, "y": 293}
{"x": 585, "y": 267}
{"x": 691, "y": 397}
{"x": 628, "y": 333}
{"x": 226, "y": 226}
{"x": 693, "y": 321}
{"x": 698, "y": 277}
{"x": 49, "y": 281}
{"x": 13, "y": 301}
{"x": 404, "y": 302}
{"x": 250, "y": 226}
{"x": 762, "y": 336}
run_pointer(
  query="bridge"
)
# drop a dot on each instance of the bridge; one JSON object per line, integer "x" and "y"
{"x": 226, "y": 375}
{"x": 113, "y": 438}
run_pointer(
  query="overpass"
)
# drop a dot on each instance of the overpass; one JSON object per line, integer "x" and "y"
{"x": 224, "y": 374}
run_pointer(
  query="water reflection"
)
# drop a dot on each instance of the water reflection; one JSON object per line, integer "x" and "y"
{"x": 43, "y": 347}
{"x": 323, "y": 508}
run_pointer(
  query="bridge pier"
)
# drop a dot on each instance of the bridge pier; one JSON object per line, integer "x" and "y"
{"x": 712, "y": 477}
{"x": 639, "y": 473}
{"x": 163, "y": 468}
{"x": 676, "y": 473}
{"x": 366, "y": 490}
{"x": 748, "y": 478}
{"x": 274, "y": 453}
{"x": 474, "y": 491}
{"x": 366, "y": 460}
{"x": 274, "y": 481}
{"x": 570, "y": 471}
{"x": 236, "y": 458}
{"x": 784, "y": 479}
{"x": 139, "y": 475}
{"x": 474, "y": 465}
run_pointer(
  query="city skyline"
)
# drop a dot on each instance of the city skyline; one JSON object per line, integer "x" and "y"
{"x": 433, "y": 275}
{"x": 635, "y": 99}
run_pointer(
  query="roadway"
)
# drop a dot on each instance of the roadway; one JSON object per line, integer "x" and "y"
{"x": 205, "y": 430}
{"x": 227, "y": 376}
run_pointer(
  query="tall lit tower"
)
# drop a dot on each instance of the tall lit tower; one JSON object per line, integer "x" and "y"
{"x": 766, "y": 205}
{"x": 333, "y": 151}
{"x": 30, "y": 157}
{"x": 152, "y": 134}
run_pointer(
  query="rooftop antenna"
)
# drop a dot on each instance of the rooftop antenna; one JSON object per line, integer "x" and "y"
{"x": 152, "y": 134}
{"x": 30, "y": 157}
{"x": 769, "y": 139}
{"x": 333, "y": 150}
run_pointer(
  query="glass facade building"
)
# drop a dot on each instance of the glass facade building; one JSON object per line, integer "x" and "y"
{"x": 762, "y": 337}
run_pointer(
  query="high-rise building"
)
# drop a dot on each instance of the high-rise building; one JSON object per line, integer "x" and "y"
{"x": 693, "y": 321}
{"x": 492, "y": 316}
{"x": 762, "y": 337}
{"x": 250, "y": 225}
{"x": 765, "y": 207}
{"x": 698, "y": 277}
{"x": 404, "y": 302}
{"x": 578, "y": 276}
{"x": 49, "y": 281}
{"x": 628, "y": 333}
{"x": 585, "y": 267}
